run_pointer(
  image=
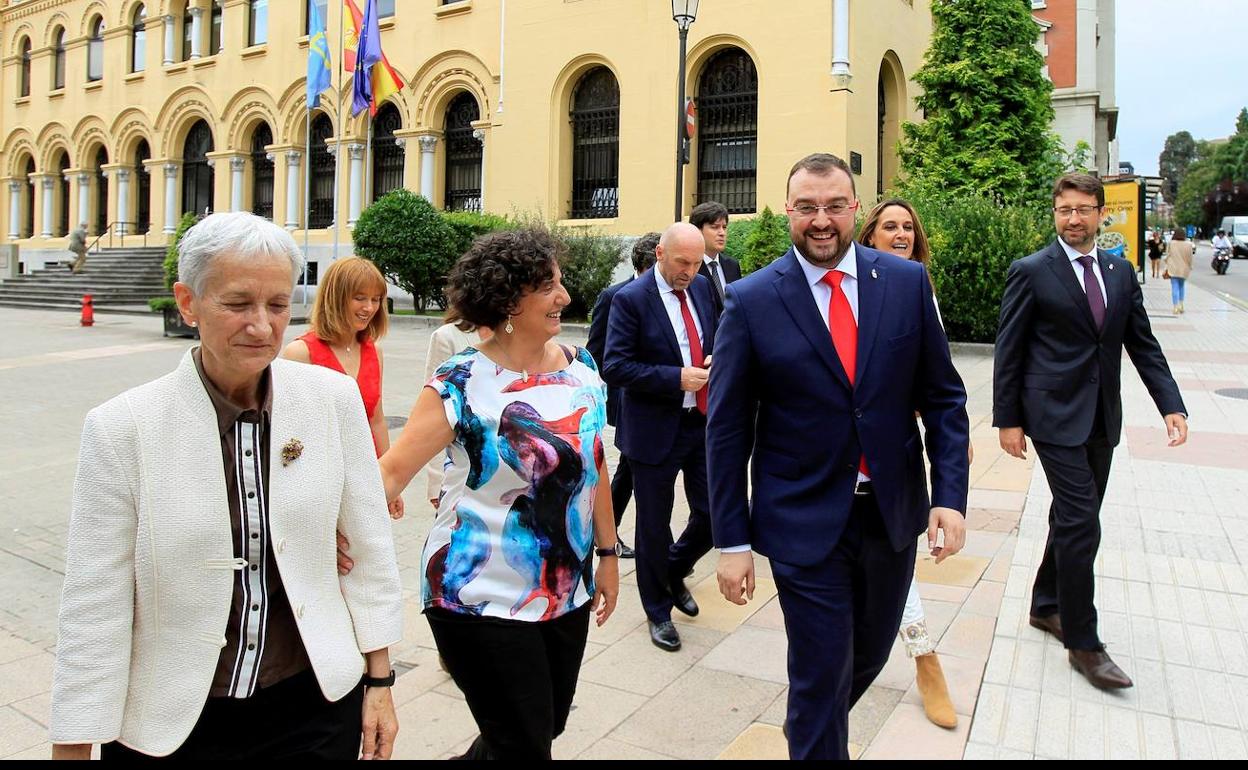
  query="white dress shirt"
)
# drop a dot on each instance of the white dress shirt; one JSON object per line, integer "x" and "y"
{"x": 716, "y": 269}
{"x": 1074, "y": 256}
{"x": 671, "y": 303}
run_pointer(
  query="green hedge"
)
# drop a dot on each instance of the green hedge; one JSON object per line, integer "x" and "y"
{"x": 591, "y": 260}
{"x": 170, "y": 265}
{"x": 411, "y": 242}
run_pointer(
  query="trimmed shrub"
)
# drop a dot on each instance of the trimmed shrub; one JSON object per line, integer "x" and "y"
{"x": 467, "y": 226}
{"x": 738, "y": 231}
{"x": 187, "y": 221}
{"x": 410, "y": 242}
{"x": 587, "y": 268}
{"x": 766, "y": 241}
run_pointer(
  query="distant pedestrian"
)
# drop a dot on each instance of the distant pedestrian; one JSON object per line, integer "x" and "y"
{"x": 1155, "y": 251}
{"x": 78, "y": 247}
{"x": 1178, "y": 267}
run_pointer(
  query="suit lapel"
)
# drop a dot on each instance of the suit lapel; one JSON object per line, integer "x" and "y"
{"x": 1115, "y": 301}
{"x": 795, "y": 294}
{"x": 871, "y": 282}
{"x": 702, "y": 305}
{"x": 660, "y": 315}
{"x": 1061, "y": 268}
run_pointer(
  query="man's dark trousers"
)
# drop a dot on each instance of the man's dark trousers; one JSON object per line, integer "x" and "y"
{"x": 659, "y": 560}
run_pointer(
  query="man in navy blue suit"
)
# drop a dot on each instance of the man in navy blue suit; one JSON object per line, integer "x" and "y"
{"x": 622, "y": 481}
{"x": 822, "y": 360}
{"x": 659, "y": 341}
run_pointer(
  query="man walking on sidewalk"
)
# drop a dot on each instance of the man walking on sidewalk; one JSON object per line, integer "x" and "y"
{"x": 78, "y": 247}
{"x": 1067, "y": 313}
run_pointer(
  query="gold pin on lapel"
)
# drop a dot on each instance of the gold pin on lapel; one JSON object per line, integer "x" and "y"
{"x": 291, "y": 451}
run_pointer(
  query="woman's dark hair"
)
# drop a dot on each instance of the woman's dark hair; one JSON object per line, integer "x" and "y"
{"x": 1180, "y": 234}
{"x": 487, "y": 282}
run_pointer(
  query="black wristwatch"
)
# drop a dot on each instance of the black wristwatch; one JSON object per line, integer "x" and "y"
{"x": 612, "y": 551}
{"x": 379, "y": 681}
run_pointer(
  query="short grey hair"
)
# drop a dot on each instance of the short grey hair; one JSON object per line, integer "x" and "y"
{"x": 238, "y": 233}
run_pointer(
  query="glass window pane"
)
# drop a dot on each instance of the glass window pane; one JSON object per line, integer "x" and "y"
{"x": 259, "y": 22}
{"x": 322, "y": 9}
{"x": 385, "y": 8}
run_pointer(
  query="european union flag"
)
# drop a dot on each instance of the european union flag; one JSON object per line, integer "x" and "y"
{"x": 318, "y": 56}
{"x": 368, "y": 54}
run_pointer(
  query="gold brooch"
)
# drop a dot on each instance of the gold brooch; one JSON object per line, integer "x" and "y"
{"x": 291, "y": 451}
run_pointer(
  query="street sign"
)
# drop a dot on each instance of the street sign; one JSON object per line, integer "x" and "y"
{"x": 691, "y": 118}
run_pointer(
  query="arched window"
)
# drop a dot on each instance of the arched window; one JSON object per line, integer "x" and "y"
{"x": 258, "y": 22}
{"x": 101, "y": 190}
{"x": 62, "y": 221}
{"x": 23, "y": 76}
{"x": 596, "y": 146}
{"x": 197, "y": 176}
{"x": 216, "y": 43}
{"x": 387, "y": 154}
{"x": 321, "y": 166}
{"x": 95, "y": 50}
{"x": 463, "y": 155}
{"x": 322, "y": 10}
{"x": 143, "y": 188}
{"x": 138, "y": 40}
{"x": 28, "y": 220}
{"x": 728, "y": 131}
{"x": 261, "y": 172}
{"x": 58, "y": 58}
{"x": 890, "y": 98}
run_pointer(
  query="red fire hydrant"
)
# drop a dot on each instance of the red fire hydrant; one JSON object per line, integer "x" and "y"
{"x": 88, "y": 311}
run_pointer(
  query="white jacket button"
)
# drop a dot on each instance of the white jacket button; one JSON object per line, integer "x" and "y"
{"x": 281, "y": 545}
{"x": 299, "y": 612}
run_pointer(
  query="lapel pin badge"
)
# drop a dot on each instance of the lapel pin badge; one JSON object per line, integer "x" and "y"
{"x": 291, "y": 451}
{"x": 1111, "y": 265}
{"x": 874, "y": 274}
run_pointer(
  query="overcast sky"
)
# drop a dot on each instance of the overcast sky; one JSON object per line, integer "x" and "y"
{"x": 1181, "y": 65}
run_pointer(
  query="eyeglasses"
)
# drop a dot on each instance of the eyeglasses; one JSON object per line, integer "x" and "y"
{"x": 1084, "y": 211}
{"x": 808, "y": 210}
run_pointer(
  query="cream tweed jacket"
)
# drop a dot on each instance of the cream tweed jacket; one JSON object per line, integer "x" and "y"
{"x": 150, "y": 566}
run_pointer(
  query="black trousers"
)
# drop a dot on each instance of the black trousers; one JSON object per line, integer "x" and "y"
{"x": 289, "y": 720}
{"x": 840, "y": 616}
{"x": 519, "y": 678}
{"x": 1064, "y": 582}
{"x": 621, "y": 489}
{"x": 659, "y": 560}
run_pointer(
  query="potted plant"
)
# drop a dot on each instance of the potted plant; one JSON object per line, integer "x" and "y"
{"x": 175, "y": 326}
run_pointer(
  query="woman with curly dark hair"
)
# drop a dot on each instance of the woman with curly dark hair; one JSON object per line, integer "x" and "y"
{"x": 508, "y": 580}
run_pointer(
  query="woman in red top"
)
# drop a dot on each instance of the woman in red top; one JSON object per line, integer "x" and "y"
{"x": 347, "y": 322}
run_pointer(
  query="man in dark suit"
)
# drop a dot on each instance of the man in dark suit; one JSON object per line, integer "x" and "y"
{"x": 822, "y": 360}
{"x": 718, "y": 268}
{"x": 1068, "y": 312}
{"x": 659, "y": 342}
{"x": 622, "y": 482}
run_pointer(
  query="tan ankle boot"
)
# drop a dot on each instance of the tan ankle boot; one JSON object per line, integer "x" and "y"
{"x": 931, "y": 681}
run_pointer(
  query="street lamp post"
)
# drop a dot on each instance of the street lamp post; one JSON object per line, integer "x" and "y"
{"x": 684, "y": 13}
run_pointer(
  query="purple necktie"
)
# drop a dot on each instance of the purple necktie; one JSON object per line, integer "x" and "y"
{"x": 1096, "y": 301}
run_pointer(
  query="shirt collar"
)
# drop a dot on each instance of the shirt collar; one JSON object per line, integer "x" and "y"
{"x": 1072, "y": 254}
{"x": 227, "y": 411}
{"x": 662, "y": 284}
{"x": 815, "y": 274}
{"x": 708, "y": 259}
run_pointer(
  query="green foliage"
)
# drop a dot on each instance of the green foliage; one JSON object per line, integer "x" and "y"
{"x": 161, "y": 304}
{"x": 1177, "y": 155}
{"x": 588, "y": 265}
{"x": 973, "y": 240}
{"x": 469, "y": 226}
{"x": 738, "y": 230}
{"x": 766, "y": 241}
{"x": 986, "y": 104}
{"x": 410, "y": 242}
{"x": 171, "y": 252}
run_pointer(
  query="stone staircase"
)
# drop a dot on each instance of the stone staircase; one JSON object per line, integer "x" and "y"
{"x": 119, "y": 280}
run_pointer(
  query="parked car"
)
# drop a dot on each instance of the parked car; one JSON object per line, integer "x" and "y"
{"x": 1237, "y": 230}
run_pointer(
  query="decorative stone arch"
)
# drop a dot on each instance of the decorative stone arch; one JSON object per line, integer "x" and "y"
{"x": 891, "y": 113}
{"x": 51, "y": 140}
{"x": 243, "y": 111}
{"x": 179, "y": 113}
{"x": 440, "y": 79}
{"x": 701, "y": 53}
{"x": 24, "y": 30}
{"x": 59, "y": 19}
{"x": 18, "y": 146}
{"x": 89, "y": 132}
{"x": 562, "y": 92}
{"x": 291, "y": 121}
{"x": 125, "y": 16}
{"x": 94, "y": 9}
{"x": 128, "y": 128}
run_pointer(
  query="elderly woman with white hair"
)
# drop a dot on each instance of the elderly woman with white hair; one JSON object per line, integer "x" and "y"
{"x": 203, "y": 615}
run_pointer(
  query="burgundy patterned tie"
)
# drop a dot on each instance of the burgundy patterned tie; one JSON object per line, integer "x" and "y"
{"x": 1096, "y": 300}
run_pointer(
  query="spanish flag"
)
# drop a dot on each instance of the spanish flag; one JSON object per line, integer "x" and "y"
{"x": 385, "y": 81}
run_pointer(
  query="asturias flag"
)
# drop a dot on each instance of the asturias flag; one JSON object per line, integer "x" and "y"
{"x": 318, "y": 56}
{"x": 383, "y": 80}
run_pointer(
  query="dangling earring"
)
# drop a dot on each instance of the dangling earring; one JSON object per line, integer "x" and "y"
{"x": 509, "y": 328}
{"x": 194, "y": 324}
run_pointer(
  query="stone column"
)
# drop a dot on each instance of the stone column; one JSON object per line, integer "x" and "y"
{"x": 49, "y": 205}
{"x": 479, "y": 135}
{"x": 840, "y": 43}
{"x": 428, "y": 145}
{"x": 171, "y": 198}
{"x": 293, "y": 160}
{"x": 84, "y": 198}
{"x": 237, "y": 165}
{"x": 122, "y": 177}
{"x": 169, "y": 41}
{"x": 356, "y": 190}
{"x": 15, "y": 209}
{"x": 197, "y": 31}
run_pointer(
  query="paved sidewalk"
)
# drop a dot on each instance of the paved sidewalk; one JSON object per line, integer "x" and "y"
{"x": 1165, "y": 554}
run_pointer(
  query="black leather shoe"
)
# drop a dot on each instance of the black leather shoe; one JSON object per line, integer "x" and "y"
{"x": 1097, "y": 667}
{"x": 1049, "y": 623}
{"x": 665, "y": 636}
{"x": 626, "y": 552}
{"x": 682, "y": 599}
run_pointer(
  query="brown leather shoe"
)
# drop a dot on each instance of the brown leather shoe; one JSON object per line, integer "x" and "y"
{"x": 1049, "y": 623}
{"x": 1097, "y": 667}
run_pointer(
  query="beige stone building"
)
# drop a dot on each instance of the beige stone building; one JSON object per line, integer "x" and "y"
{"x": 126, "y": 113}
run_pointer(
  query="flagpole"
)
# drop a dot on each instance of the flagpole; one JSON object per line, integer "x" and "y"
{"x": 307, "y": 198}
{"x": 368, "y": 159}
{"x": 342, "y": 46}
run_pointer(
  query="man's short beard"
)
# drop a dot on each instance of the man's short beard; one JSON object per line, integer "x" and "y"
{"x": 842, "y": 249}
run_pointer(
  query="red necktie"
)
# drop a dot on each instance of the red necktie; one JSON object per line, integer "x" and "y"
{"x": 844, "y": 334}
{"x": 695, "y": 345}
